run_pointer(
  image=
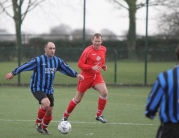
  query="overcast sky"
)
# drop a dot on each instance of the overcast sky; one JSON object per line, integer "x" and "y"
{"x": 100, "y": 14}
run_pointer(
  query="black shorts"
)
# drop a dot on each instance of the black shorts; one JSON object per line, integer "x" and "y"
{"x": 168, "y": 131}
{"x": 41, "y": 95}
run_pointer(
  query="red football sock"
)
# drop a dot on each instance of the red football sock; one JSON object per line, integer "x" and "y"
{"x": 101, "y": 105}
{"x": 46, "y": 121}
{"x": 40, "y": 115}
{"x": 70, "y": 108}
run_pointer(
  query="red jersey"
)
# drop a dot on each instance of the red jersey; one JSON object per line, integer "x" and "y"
{"x": 91, "y": 57}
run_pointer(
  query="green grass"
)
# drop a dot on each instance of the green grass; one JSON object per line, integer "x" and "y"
{"x": 124, "y": 112}
{"x": 128, "y": 72}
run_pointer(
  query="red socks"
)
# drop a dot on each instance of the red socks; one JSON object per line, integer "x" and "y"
{"x": 43, "y": 118}
{"x": 46, "y": 121}
{"x": 40, "y": 115}
{"x": 101, "y": 105}
{"x": 70, "y": 108}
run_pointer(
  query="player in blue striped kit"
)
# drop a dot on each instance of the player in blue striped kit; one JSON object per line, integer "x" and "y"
{"x": 165, "y": 97}
{"x": 44, "y": 68}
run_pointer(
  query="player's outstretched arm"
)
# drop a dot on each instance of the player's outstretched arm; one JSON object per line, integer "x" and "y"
{"x": 9, "y": 76}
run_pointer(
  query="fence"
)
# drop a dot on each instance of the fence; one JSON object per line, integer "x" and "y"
{"x": 121, "y": 71}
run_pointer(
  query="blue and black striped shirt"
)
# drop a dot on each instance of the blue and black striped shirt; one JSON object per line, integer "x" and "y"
{"x": 44, "y": 69}
{"x": 165, "y": 97}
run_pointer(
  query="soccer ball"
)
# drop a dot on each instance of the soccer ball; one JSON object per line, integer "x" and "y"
{"x": 64, "y": 127}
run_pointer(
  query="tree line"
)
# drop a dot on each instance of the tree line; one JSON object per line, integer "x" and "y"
{"x": 168, "y": 22}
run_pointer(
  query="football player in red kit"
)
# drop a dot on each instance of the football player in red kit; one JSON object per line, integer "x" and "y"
{"x": 91, "y": 62}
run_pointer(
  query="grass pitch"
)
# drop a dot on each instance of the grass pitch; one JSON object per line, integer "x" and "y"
{"x": 124, "y": 112}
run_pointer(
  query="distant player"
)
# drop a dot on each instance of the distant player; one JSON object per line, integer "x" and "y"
{"x": 91, "y": 62}
{"x": 44, "y": 68}
{"x": 164, "y": 97}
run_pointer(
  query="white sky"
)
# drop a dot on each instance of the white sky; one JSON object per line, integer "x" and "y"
{"x": 100, "y": 14}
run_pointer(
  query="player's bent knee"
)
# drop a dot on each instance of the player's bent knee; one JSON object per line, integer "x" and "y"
{"x": 45, "y": 103}
{"x": 104, "y": 93}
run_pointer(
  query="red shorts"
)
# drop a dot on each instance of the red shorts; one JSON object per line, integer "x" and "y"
{"x": 89, "y": 81}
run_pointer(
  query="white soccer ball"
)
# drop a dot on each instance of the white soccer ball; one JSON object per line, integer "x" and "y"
{"x": 64, "y": 127}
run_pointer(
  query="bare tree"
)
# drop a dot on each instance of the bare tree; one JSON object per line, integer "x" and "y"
{"x": 28, "y": 5}
{"x": 132, "y": 6}
{"x": 169, "y": 21}
{"x": 169, "y": 24}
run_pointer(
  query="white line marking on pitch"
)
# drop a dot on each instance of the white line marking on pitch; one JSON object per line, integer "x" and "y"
{"x": 135, "y": 124}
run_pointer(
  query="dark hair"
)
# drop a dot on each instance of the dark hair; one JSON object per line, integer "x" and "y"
{"x": 97, "y": 35}
{"x": 177, "y": 53}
